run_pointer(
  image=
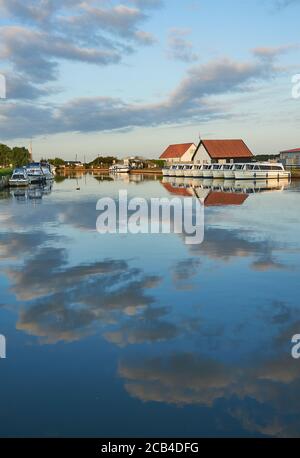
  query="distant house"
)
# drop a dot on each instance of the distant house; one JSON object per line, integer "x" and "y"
{"x": 222, "y": 151}
{"x": 73, "y": 164}
{"x": 182, "y": 152}
{"x": 135, "y": 162}
{"x": 291, "y": 157}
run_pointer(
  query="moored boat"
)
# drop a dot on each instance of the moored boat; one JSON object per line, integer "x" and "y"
{"x": 172, "y": 170}
{"x": 179, "y": 172}
{"x": 229, "y": 170}
{"x": 262, "y": 171}
{"x": 198, "y": 171}
{"x": 19, "y": 178}
{"x": 217, "y": 170}
{"x": 46, "y": 168}
{"x": 119, "y": 168}
{"x": 166, "y": 171}
{"x": 207, "y": 171}
{"x": 188, "y": 170}
{"x": 35, "y": 173}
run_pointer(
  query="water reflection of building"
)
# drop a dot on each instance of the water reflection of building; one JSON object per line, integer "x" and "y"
{"x": 219, "y": 192}
{"x": 220, "y": 198}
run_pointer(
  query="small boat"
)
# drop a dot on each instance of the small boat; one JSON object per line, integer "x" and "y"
{"x": 229, "y": 170}
{"x": 166, "y": 171}
{"x": 119, "y": 168}
{"x": 19, "y": 178}
{"x": 46, "y": 168}
{"x": 198, "y": 171}
{"x": 207, "y": 171}
{"x": 217, "y": 170}
{"x": 180, "y": 170}
{"x": 172, "y": 170}
{"x": 35, "y": 173}
{"x": 262, "y": 171}
{"x": 188, "y": 170}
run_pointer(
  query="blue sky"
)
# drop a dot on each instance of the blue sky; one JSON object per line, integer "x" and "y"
{"x": 132, "y": 76}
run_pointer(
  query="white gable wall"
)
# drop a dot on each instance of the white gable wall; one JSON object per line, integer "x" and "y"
{"x": 202, "y": 156}
{"x": 187, "y": 157}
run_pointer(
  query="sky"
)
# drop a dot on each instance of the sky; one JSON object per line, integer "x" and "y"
{"x": 130, "y": 77}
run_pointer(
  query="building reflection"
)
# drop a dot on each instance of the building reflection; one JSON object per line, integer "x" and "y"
{"x": 220, "y": 192}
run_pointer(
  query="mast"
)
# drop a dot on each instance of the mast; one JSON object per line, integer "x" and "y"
{"x": 30, "y": 151}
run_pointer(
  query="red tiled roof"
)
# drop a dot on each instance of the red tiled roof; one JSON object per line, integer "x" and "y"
{"x": 178, "y": 191}
{"x": 296, "y": 150}
{"x": 216, "y": 198}
{"x": 174, "y": 151}
{"x": 225, "y": 149}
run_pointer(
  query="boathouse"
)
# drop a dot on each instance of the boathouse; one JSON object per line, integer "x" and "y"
{"x": 182, "y": 152}
{"x": 222, "y": 152}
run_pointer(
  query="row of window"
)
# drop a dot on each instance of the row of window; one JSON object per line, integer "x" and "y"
{"x": 266, "y": 168}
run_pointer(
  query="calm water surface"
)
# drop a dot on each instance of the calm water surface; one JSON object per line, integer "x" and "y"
{"x": 122, "y": 335}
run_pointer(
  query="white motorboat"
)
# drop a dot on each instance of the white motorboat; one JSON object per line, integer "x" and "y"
{"x": 172, "y": 170}
{"x": 35, "y": 173}
{"x": 166, "y": 171}
{"x": 217, "y": 170}
{"x": 180, "y": 170}
{"x": 228, "y": 170}
{"x": 207, "y": 171}
{"x": 198, "y": 171}
{"x": 119, "y": 168}
{"x": 262, "y": 171}
{"x": 188, "y": 170}
{"x": 46, "y": 168}
{"x": 19, "y": 178}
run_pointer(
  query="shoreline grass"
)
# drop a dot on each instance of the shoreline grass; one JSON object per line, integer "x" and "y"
{"x": 5, "y": 172}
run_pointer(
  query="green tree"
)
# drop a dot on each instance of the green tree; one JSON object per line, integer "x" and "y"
{"x": 103, "y": 161}
{"x": 20, "y": 156}
{"x": 57, "y": 161}
{"x": 158, "y": 162}
{"x": 5, "y": 155}
{"x": 17, "y": 156}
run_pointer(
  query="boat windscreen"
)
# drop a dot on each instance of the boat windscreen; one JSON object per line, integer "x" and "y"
{"x": 18, "y": 177}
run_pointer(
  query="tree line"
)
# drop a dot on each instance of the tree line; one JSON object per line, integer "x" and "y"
{"x": 13, "y": 157}
{"x": 99, "y": 161}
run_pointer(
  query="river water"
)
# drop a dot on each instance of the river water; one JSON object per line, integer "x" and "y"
{"x": 143, "y": 335}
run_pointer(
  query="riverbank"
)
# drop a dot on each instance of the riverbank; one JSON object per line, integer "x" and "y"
{"x": 106, "y": 170}
{"x": 296, "y": 173}
{"x": 5, "y": 172}
{"x": 4, "y": 182}
{"x": 147, "y": 171}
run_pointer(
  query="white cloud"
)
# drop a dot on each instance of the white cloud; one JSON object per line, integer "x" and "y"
{"x": 189, "y": 101}
{"x": 179, "y": 48}
{"x": 42, "y": 33}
